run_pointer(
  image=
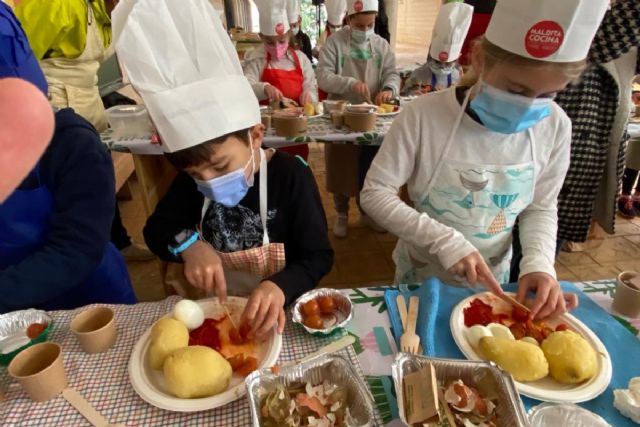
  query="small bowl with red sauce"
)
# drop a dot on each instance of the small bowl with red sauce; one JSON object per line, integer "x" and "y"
{"x": 20, "y": 330}
{"x": 322, "y": 311}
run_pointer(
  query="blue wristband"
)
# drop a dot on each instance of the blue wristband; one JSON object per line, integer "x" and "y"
{"x": 185, "y": 245}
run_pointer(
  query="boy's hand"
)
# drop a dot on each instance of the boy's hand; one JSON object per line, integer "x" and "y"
{"x": 264, "y": 309}
{"x": 362, "y": 89}
{"x": 383, "y": 97}
{"x": 203, "y": 269}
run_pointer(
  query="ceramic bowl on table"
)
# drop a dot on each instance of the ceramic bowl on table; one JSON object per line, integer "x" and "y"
{"x": 332, "y": 319}
{"x": 13, "y": 332}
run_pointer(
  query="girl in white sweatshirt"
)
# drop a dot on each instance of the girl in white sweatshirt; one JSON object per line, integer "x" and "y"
{"x": 478, "y": 157}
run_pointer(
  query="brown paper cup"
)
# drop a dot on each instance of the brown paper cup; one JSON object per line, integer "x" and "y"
{"x": 95, "y": 329}
{"x": 289, "y": 126}
{"x": 626, "y": 300}
{"x": 360, "y": 122}
{"x": 266, "y": 120}
{"x": 337, "y": 118}
{"x": 40, "y": 371}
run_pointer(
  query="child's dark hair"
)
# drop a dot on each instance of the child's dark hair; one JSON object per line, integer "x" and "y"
{"x": 201, "y": 153}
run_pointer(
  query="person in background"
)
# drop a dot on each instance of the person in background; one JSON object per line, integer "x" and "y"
{"x": 355, "y": 65}
{"x": 300, "y": 41}
{"x": 54, "y": 250}
{"x": 381, "y": 27}
{"x": 481, "y": 155}
{"x": 71, "y": 38}
{"x": 276, "y": 70}
{"x": 482, "y": 10}
{"x": 442, "y": 70}
{"x": 629, "y": 201}
{"x": 242, "y": 220}
{"x": 336, "y": 12}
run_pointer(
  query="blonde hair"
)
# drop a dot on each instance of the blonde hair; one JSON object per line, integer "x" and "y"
{"x": 494, "y": 55}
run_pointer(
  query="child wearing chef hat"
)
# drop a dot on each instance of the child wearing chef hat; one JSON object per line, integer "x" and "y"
{"x": 442, "y": 69}
{"x": 238, "y": 217}
{"x": 336, "y": 12}
{"x": 358, "y": 66}
{"x": 299, "y": 39}
{"x": 479, "y": 156}
{"x": 275, "y": 70}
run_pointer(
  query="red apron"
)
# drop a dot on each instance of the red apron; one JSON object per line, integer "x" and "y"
{"x": 290, "y": 83}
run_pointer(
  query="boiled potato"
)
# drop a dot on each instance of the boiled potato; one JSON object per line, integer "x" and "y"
{"x": 524, "y": 361}
{"x": 167, "y": 335}
{"x": 309, "y": 109}
{"x": 571, "y": 359}
{"x": 388, "y": 108}
{"x": 196, "y": 371}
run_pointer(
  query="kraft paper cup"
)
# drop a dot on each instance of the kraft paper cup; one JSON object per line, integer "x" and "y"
{"x": 95, "y": 329}
{"x": 626, "y": 300}
{"x": 40, "y": 371}
{"x": 266, "y": 120}
{"x": 290, "y": 126}
{"x": 337, "y": 118}
{"x": 360, "y": 122}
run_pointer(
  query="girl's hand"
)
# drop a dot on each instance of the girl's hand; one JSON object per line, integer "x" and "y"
{"x": 383, "y": 97}
{"x": 265, "y": 309}
{"x": 306, "y": 99}
{"x": 203, "y": 269}
{"x": 475, "y": 270}
{"x": 272, "y": 92}
{"x": 550, "y": 300}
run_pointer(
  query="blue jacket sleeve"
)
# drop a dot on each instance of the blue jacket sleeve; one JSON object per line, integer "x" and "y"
{"x": 78, "y": 171}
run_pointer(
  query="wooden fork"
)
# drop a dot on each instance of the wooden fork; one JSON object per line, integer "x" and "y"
{"x": 409, "y": 341}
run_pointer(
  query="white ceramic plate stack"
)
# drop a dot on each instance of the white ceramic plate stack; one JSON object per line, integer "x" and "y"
{"x": 150, "y": 384}
{"x": 545, "y": 389}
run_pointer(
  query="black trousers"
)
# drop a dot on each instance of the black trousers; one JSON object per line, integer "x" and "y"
{"x": 119, "y": 236}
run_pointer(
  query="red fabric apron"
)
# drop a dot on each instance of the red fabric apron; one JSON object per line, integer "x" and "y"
{"x": 290, "y": 83}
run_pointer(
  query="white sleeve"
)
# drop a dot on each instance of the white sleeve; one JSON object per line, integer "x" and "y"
{"x": 538, "y": 223}
{"x": 390, "y": 76}
{"x": 310, "y": 85}
{"x": 327, "y": 72}
{"x": 253, "y": 69}
{"x": 392, "y": 167}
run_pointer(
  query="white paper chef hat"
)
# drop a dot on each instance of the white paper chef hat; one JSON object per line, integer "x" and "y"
{"x": 450, "y": 30}
{"x": 357, "y": 6}
{"x": 293, "y": 10}
{"x": 273, "y": 17}
{"x": 336, "y": 10}
{"x": 181, "y": 61}
{"x": 548, "y": 30}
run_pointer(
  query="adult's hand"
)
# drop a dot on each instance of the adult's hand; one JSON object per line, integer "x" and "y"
{"x": 203, "y": 269}
{"x": 383, "y": 97}
{"x": 273, "y": 93}
{"x": 26, "y": 127}
{"x": 475, "y": 270}
{"x": 550, "y": 301}
{"x": 362, "y": 89}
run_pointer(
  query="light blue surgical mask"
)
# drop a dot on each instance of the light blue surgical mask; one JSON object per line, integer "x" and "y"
{"x": 505, "y": 112}
{"x": 360, "y": 37}
{"x": 231, "y": 188}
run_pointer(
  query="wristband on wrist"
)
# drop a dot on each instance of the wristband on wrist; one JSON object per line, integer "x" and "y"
{"x": 177, "y": 250}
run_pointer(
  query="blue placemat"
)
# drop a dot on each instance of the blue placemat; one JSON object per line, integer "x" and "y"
{"x": 438, "y": 300}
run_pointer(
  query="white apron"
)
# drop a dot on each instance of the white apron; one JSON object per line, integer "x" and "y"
{"x": 73, "y": 82}
{"x": 342, "y": 159}
{"x": 482, "y": 201}
{"x": 244, "y": 270}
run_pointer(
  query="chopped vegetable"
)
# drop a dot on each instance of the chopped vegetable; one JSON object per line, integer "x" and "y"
{"x": 311, "y": 308}
{"x": 35, "y": 329}
{"x": 470, "y": 408}
{"x": 478, "y": 313}
{"x": 207, "y": 334}
{"x": 313, "y": 322}
{"x": 327, "y": 304}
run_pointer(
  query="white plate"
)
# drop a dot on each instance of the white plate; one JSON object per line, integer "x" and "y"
{"x": 395, "y": 113}
{"x": 315, "y": 116}
{"x": 150, "y": 385}
{"x": 545, "y": 389}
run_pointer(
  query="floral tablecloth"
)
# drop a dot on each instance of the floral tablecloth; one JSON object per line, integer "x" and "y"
{"x": 376, "y": 347}
{"x": 319, "y": 129}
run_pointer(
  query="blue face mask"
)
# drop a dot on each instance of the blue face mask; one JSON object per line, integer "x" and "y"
{"x": 228, "y": 189}
{"x": 504, "y": 112}
{"x": 360, "y": 37}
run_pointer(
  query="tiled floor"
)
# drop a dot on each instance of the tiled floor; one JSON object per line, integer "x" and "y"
{"x": 364, "y": 257}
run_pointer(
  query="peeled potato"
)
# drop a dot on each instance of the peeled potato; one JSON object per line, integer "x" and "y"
{"x": 571, "y": 359}
{"x": 196, "y": 371}
{"x": 167, "y": 335}
{"x": 309, "y": 109}
{"x": 526, "y": 362}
